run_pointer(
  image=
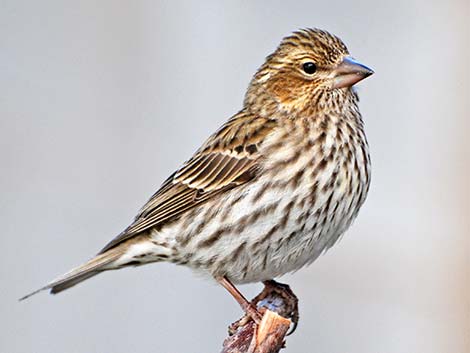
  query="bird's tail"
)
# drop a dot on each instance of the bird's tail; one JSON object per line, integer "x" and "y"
{"x": 81, "y": 273}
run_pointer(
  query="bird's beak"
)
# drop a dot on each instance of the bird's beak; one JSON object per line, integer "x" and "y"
{"x": 349, "y": 72}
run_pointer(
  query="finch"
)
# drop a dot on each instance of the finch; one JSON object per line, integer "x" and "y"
{"x": 271, "y": 189}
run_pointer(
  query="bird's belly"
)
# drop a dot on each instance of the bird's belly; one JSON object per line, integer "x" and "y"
{"x": 306, "y": 196}
{"x": 266, "y": 230}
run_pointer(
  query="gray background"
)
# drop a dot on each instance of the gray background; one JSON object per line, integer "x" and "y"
{"x": 102, "y": 100}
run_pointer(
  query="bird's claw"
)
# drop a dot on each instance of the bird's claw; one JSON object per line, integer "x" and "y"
{"x": 279, "y": 298}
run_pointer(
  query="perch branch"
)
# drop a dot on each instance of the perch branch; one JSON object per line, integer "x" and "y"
{"x": 279, "y": 306}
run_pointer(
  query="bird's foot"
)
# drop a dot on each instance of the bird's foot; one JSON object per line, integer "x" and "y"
{"x": 248, "y": 307}
{"x": 255, "y": 315}
{"x": 279, "y": 297}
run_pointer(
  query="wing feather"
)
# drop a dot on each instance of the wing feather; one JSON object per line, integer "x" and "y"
{"x": 222, "y": 163}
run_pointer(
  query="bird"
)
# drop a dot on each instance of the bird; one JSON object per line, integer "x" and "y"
{"x": 271, "y": 190}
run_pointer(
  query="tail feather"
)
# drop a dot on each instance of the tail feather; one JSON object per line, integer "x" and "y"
{"x": 80, "y": 273}
{"x": 73, "y": 281}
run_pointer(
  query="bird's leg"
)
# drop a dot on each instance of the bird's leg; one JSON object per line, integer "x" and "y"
{"x": 247, "y": 307}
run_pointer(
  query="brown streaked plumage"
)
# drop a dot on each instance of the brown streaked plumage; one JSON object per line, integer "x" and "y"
{"x": 226, "y": 160}
{"x": 272, "y": 189}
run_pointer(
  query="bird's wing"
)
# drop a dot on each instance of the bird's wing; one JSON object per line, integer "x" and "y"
{"x": 228, "y": 159}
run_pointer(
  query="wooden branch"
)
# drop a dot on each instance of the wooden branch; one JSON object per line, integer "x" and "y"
{"x": 280, "y": 307}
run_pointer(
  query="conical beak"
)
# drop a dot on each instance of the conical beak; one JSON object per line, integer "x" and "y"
{"x": 350, "y": 72}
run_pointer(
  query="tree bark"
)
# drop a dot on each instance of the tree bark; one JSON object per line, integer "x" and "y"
{"x": 279, "y": 306}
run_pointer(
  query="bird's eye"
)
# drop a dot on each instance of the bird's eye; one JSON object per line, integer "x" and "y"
{"x": 309, "y": 67}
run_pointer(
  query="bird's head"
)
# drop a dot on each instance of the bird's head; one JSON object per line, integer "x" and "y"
{"x": 310, "y": 69}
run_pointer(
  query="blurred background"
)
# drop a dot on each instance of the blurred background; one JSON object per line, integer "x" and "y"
{"x": 101, "y": 101}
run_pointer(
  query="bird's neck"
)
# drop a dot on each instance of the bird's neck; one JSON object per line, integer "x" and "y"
{"x": 322, "y": 102}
